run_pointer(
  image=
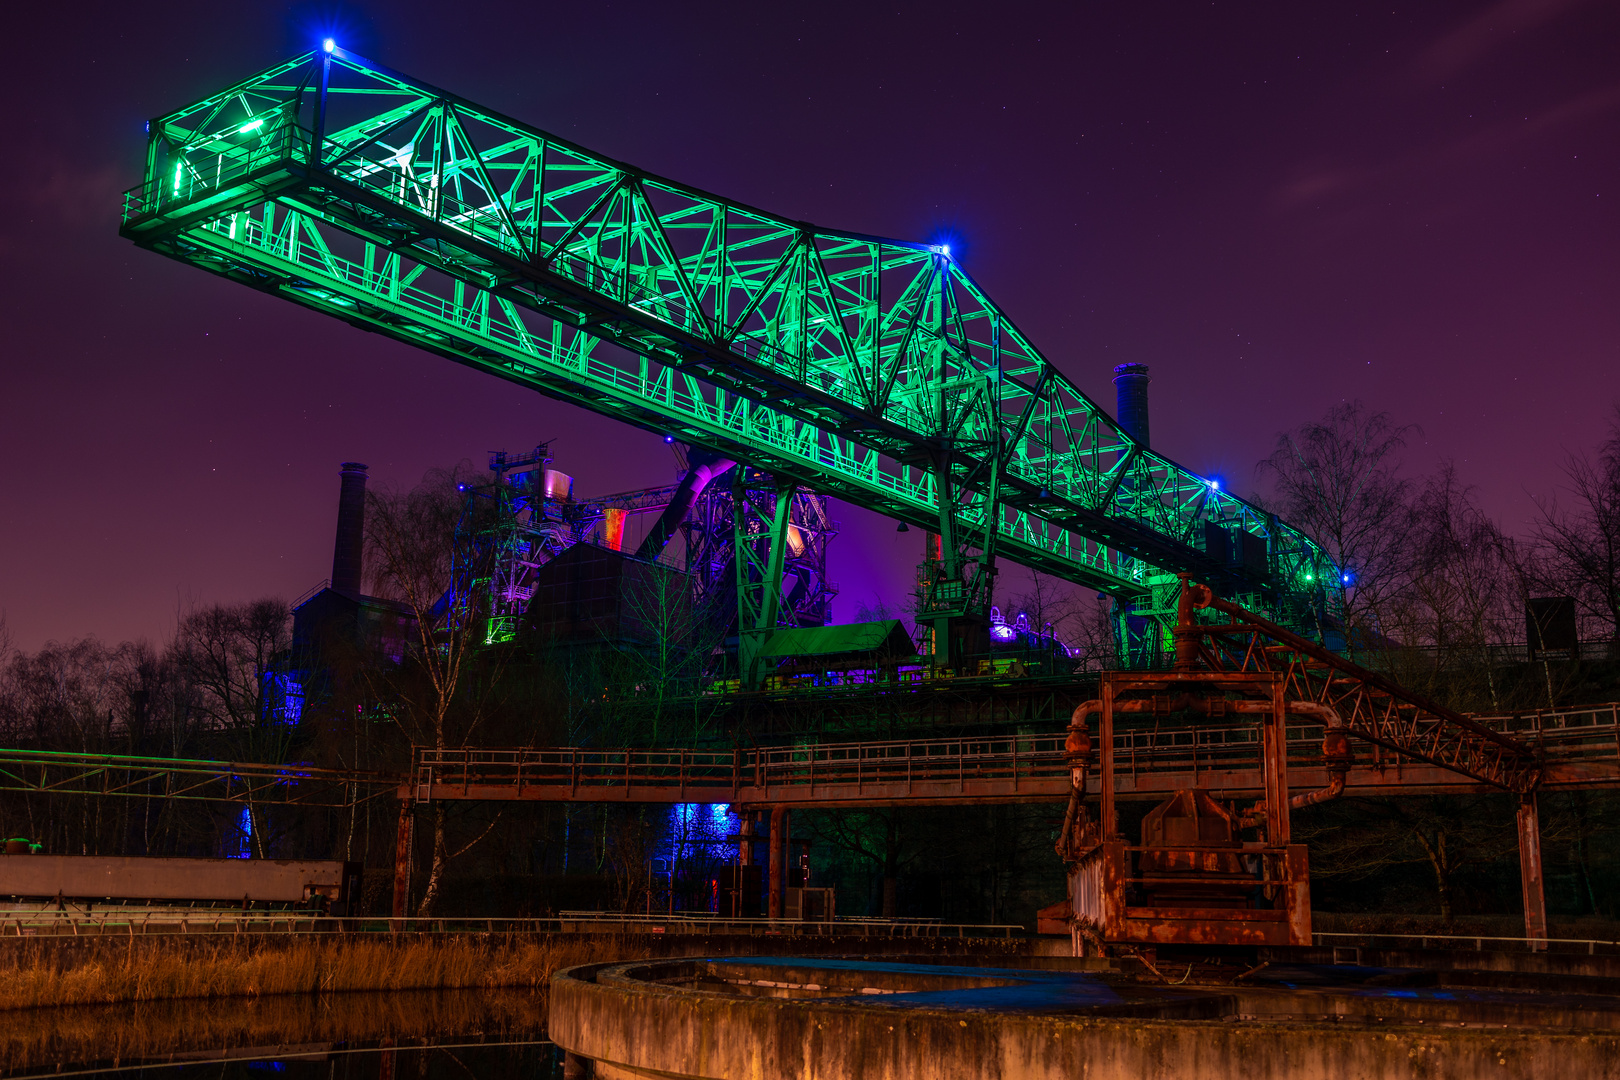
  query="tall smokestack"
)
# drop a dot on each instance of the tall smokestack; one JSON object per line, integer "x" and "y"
{"x": 351, "y": 530}
{"x": 1131, "y": 382}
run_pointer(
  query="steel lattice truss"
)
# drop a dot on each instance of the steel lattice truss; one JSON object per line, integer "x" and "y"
{"x": 872, "y": 369}
{"x": 708, "y": 534}
{"x": 39, "y": 772}
{"x": 509, "y": 528}
{"x": 1373, "y": 707}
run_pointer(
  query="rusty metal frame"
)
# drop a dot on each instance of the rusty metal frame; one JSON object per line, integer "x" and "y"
{"x": 1374, "y": 708}
{"x": 1257, "y": 696}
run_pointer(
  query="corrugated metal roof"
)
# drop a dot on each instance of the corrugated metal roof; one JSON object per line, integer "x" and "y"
{"x": 885, "y": 638}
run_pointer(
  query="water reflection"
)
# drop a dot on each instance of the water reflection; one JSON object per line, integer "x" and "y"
{"x": 421, "y": 1035}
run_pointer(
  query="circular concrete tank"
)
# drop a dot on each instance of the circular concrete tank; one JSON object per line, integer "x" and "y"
{"x": 819, "y": 1019}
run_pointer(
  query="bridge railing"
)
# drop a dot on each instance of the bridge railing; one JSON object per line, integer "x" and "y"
{"x": 975, "y": 758}
{"x": 197, "y": 173}
{"x": 710, "y": 772}
{"x": 1569, "y": 735}
{"x": 1565, "y": 734}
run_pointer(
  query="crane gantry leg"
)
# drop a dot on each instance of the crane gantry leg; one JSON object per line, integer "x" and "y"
{"x": 1535, "y": 896}
{"x": 760, "y": 543}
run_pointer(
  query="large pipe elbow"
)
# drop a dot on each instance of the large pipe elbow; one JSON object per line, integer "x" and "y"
{"x": 1077, "y": 752}
{"x": 1335, "y": 752}
{"x": 1077, "y": 747}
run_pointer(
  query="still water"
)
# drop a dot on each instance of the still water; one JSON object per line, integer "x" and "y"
{"x": 403, "y": 1036}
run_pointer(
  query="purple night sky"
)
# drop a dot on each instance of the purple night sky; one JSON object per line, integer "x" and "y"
{"x": 1278, "y": 206}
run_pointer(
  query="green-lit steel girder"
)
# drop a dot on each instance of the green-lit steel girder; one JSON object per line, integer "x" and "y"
{"x": 874, "y": 370}
{"x": 759, "y": 545}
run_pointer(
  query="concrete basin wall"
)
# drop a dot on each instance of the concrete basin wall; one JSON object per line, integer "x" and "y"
{"x": 634, "y": 1026}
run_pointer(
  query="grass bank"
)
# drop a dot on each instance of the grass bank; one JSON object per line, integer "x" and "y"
{"x": 105, "y": 972}
{"x": 110, "y": 1036}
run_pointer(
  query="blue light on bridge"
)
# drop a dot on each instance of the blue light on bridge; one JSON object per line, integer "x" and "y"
{"x": 327, "y": 45}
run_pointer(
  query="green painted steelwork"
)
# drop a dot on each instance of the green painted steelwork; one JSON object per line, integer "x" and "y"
{"x": 874, "y": 370}
{"x": 759, "y": 544}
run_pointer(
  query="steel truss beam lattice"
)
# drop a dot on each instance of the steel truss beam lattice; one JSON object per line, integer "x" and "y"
{"x": 39, "y": 772}
{"x": 875, "y": 370}
{"x": 1373, "y": 707}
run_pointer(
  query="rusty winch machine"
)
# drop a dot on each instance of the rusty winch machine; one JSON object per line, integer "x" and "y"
{"x": 1205, "y": 871}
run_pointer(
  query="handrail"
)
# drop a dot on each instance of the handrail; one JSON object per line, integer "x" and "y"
{"x": 1148, "y": 749}
{"x": 1535, "y": 944}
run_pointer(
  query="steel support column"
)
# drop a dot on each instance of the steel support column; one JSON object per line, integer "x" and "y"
{"x": 759, "y": 546}
{"x": 1274, "y": 767}
{"x": 1535, "y": 898}
{"x": 778, "y": 867}
{"x": 402, "y": 858}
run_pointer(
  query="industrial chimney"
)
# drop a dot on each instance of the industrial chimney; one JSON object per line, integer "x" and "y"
{"x": 1131, "y": 382}
{"x": 351, "y": 530}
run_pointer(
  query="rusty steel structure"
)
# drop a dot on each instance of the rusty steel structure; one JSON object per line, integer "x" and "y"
{"x": 1193, "y": 878}
{"x": 47, "y": 772}
{"x": 1201, "y": 738}
{"x": 1152, "y": 760}
{"x": 1372, "y": 706}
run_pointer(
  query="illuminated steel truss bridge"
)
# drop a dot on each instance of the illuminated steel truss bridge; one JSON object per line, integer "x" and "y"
{"x": 874, "y": 370}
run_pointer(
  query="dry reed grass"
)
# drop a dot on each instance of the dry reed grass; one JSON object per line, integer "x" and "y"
{"x": 111, "y": 1035}
{"x": 38, "y": 974}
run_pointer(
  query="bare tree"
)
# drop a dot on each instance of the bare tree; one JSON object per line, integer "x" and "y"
{"x": 1462, "y": 591}
{"x": 85, "y": 697}
{"x": 439, "y": 691}
{"x": 877, "y": 837}
{"x": 1338, "y": 479}
{"x": 1081, "y": 620}
{"x": 1363, "y": 838}
{"x": 661, "y": 646}
{"x": 226, "y": 654}
{"x": 1579, "y": 537}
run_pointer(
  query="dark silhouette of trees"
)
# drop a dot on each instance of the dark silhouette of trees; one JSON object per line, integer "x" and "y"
{"x": 1339, "y": 480}
{"x": 1578, "y": 536}
{"x": 225, "y": 655}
